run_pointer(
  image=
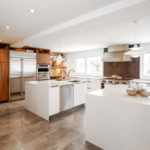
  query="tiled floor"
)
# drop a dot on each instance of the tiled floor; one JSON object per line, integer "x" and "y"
{"x": 22, "y": 130}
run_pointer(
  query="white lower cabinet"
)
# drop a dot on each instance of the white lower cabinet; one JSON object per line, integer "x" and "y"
{"x": 54, "y": 100}
{"x": 80, "y": 93}
{"x": 93, "y": 84}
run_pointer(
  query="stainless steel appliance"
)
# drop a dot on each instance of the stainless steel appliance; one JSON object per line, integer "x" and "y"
{"x": 43, "y": 72}
{"x": 115, "y": 81}
{"x": 22, "y": 69}
{"x": 66, "y": 97}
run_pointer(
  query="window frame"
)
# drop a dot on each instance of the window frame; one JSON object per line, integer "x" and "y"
{"x": 85, "y": 73}
{"x": 76, "y": 65}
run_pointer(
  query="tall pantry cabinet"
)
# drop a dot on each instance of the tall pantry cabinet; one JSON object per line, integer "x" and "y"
{"x": 4, "y": 72}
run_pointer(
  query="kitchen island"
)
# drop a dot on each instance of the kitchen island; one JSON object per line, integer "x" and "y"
{"x": 116, "y": 121}
{"x": 51, "y": 97}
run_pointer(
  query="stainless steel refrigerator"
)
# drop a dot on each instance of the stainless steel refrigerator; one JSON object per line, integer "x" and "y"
{"x": 22, "y": 69}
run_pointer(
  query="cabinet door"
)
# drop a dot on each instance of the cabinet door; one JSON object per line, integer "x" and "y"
{"x": 43, "y": 58}
{"x": 4, "y": 81}
{"x": 80, "y": 91}
{"x": 54, "y": 100}
{"x": 39, "y": 58}
{"x": 47, "y": 59}
{"x": 4, "y": 55}
{"x": 93, "y": 85}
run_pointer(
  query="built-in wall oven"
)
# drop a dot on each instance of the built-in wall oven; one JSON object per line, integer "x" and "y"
{"x": 43, "y": 72}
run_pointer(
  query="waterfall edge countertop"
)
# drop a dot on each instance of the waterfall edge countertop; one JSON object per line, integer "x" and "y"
{"x": 43, "y": 98}
{"x": 116, "y": 121}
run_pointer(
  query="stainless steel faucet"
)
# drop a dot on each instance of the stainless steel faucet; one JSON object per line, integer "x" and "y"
{"x": 71, "y": 70}
{"x": 63, "y": 71}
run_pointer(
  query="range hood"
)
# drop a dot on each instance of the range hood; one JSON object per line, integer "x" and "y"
{"x": 116, "y": 54}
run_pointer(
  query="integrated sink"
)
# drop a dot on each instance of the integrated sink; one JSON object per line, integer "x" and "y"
{"x": 74, "y": 81}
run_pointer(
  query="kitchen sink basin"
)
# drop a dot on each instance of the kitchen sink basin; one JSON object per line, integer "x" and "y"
{"x": 74, "y": 81}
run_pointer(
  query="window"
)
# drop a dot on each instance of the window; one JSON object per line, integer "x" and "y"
{"x": 80, "y": 65}
{"x": 94, "y": 65}
{"x": 89, "y": 65}
{"x": 146, "y": 65}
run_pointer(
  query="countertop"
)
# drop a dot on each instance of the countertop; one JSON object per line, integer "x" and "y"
{"x": 87, "y": 77}
{"x": 140, "y": 81}
{"x": 118, "y": 92}
{"x": 53, "y": 82}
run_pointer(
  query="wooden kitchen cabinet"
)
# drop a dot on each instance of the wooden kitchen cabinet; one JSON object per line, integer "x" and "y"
{"x": 43, "y": 58}
{"x": 4, "y": 81}
{"x": 4, "y": 55}
{"x": 4, "y": 73}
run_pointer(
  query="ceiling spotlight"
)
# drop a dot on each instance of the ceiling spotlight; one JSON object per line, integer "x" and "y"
{"x": 32, "y": 11}
{"x": 8, "y": 27}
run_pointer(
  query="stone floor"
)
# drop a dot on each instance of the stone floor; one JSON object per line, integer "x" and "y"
{"x": 22, "y": 130}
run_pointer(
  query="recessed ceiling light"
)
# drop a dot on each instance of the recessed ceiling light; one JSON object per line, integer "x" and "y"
{"x": 8, "y": 27}
{"x": 32, "y": 11}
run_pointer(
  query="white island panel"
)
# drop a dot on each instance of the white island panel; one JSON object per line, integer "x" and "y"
{"x": 115, "y": 121}
{"x": 37, "y": 100}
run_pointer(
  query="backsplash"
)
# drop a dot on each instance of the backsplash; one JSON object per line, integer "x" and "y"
{"x": 124, "y": 69}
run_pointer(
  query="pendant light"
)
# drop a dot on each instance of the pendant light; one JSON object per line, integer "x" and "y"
{"x": 136, "y": 51}
{"x": 59, "y": 58}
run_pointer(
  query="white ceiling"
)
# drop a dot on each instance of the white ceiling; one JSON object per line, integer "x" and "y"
{"x": 73, "y": 25}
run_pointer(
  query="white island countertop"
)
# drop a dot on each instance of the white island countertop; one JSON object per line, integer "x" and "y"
{"x": 118, "y": 92}
{"x": 116, "y": 121}
{"x": 53, "y": 82}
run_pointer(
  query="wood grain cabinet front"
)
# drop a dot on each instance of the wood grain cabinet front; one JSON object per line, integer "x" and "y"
{"x": 4, "y": 74}
{"x": 43, "y": 58}
{"x": 4, "y": 55}
{"x": 4, "y": 81}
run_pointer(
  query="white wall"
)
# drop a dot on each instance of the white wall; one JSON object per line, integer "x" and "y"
{"x": 71, "y": 57}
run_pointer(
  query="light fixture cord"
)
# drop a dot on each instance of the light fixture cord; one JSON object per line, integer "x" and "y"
{"x": 135, "y": 29}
